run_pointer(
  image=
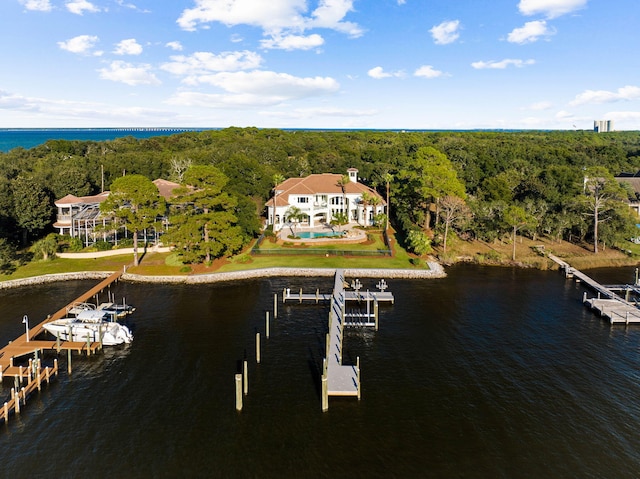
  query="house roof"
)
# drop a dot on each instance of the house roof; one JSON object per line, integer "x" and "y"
{"x": 166, "y": 187}
{"x": 82, "y": 200}
{"x": 633, "y": 181}
{"x": 324, "y": 183}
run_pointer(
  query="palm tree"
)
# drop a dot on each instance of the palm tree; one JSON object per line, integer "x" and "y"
{"x": 277, "y": 179}
{"x": 388, "y": 178}
{"x": 342, "y": 183}
{"x": 293, "y": 215}
{"x": 366, "y": 201}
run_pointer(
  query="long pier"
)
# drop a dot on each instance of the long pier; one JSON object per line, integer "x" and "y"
{"x": 33, "y": 374}
{"x": 338, "y": 379}
{"x": 608, "y": 303}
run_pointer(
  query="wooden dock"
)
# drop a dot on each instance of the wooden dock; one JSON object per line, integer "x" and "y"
{"x": 349, "y": 296}
{"x": 27, "y": 344}
{"x": 338, "y": 379}
{"x": 608, "y": 304}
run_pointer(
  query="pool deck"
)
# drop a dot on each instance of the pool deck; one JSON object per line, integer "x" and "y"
{"x": 349, "y": 232}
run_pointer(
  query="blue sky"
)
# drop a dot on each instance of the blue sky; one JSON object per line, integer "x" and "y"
{"x": 398, "y": 64}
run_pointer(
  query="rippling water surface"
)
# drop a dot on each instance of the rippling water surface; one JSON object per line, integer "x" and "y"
{"x": 486, "y": 373}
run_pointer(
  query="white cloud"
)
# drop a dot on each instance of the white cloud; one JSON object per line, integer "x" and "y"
{"x": 128, "y": 47}
{"x": 502, "y": 64}
{"x": 306, "y": 113}
{"x": 330, "y": 14}
{"x": 201, "y": 63}
{"x": 541, "y": 105}
{"x": 131, "y": 6}
{"x": 255, "y": 88}
{"x": 82, "y": 44}
{"x": 530, "y": 32}
{"x": 427, "y": 71}
{"x": 446, "y": 32}
{"x": 74, "y": 110}
{"x": 378, "y": 73}
{"x": 275, "y": 17}
{"x": 124, "y": 72}
{"x": 550, "y": 8}
{"x": 401, "y": 2}
{"x": 292, "y": 42}
{"x": 271, "y": 84}
{"x": 626, "y": 93}
{"x": 80, "y": 6}
{"x": 37, "y": 5}
{"x": 176, "y": 46}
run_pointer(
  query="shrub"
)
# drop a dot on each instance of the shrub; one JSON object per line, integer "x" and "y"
{"x": 102, "y": 245}
{"x": 125, "y": 243}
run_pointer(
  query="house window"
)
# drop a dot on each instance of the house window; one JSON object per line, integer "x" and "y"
{"x": 336, "y": 200}
{"x": 303, "y": 199}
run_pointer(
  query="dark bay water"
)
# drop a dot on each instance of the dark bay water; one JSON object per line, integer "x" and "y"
{"x": 11, "y": 138}
{"x": 489, "y": 372}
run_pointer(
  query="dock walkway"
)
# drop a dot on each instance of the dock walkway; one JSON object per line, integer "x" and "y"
{"x": 351, "y": 296}
{"x": 340, "y": 380}
{"x": 608, "y": 304}
{"x": 27, "y": 344}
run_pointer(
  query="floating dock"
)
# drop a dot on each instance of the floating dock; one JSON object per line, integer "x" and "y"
{"x": 29, "y": 377}
{"x": 608, "y": 304}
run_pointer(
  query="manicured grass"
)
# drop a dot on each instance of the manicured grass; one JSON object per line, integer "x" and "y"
{"x": 59, "y": 265}
{"x": 155, "y": 264}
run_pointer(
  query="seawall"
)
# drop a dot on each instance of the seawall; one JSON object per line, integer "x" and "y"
{"x": 435, "y": 271}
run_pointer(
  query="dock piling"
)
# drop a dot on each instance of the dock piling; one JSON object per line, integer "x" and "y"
{"x": 238, "y": 392}
{"x": 358, "y": 376}
{"x": 275, "y": 306}
{"x": 245, "y": 374}
{"x": 325, "y": 393}
{"x": 266, "y": 323}
{"x": 258, "y": 347}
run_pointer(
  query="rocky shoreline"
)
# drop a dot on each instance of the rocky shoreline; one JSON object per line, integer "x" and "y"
{"x": 435, "y": 271}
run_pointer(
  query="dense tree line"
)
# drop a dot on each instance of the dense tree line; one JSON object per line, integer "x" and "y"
{"x": 530, "y": 181}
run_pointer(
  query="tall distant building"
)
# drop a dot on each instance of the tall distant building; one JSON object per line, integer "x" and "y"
{"x": 603, "y": 126}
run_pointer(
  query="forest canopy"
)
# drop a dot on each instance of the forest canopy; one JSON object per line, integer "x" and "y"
{"x": 540, "y": 172}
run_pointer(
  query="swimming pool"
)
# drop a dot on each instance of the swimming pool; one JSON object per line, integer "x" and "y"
{"x": 320, "y": 234}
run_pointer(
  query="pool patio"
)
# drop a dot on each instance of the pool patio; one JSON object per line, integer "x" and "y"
{"x": 326, "y": 234}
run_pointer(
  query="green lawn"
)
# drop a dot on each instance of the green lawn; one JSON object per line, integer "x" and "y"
{"x": 157, "y": 264}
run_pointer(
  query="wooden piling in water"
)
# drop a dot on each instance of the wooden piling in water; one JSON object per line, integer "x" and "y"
{"x": 238, "y": 392}
{"x": 358, "y": 376}
{"x": 375, "y": 312}
{"x": 325, "y": 393}
{"x": 69, "y": 361}
{"x": 245, "y": 374}
{"x": 16, "y": 400}
{"x": 275, "y": 306}
{"x": 258, "y": 348}
{"x": 266, "y": 323}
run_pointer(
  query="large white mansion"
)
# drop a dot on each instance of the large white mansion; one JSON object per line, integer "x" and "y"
{"x": 320, "y": 196}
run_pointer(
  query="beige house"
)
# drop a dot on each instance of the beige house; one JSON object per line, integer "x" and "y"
{"x": 320, "y": 196}
{"x": 633, "y": 181}
{"x": 79, "y": 216}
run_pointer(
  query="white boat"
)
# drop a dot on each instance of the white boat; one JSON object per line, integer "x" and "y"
{"x": 92, "y": 324}
{"x": 120, "y": 309}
